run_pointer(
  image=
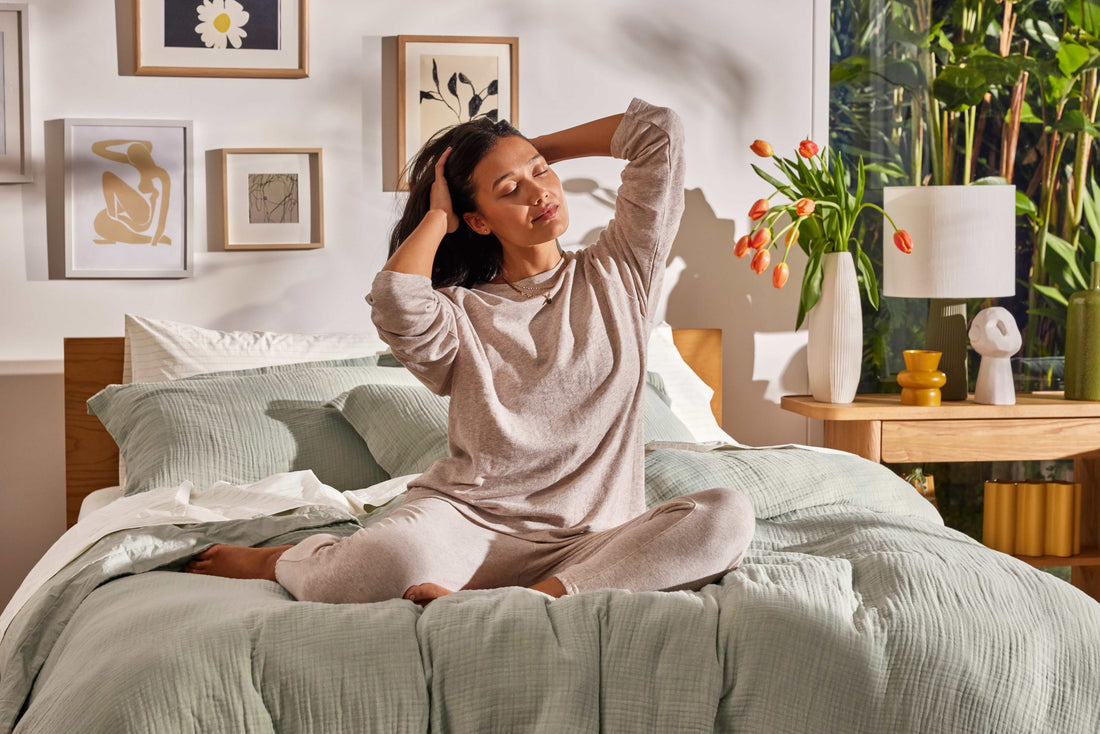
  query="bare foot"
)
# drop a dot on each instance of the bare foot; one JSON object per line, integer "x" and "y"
{"x": 237, "y": 562}
{"x": 423, "y": 593}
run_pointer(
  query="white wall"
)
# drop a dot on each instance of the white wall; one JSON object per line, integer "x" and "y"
{"x": 735, "y": 71}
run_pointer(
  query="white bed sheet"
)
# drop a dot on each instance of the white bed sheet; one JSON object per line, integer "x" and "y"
{"x": 185, "y": 504}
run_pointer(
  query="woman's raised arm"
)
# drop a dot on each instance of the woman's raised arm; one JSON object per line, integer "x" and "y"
{"x": 590, "y": 138}
{"x": 416, "y": 254}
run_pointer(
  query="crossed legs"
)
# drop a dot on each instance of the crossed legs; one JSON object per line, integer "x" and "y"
{"x": 684, "y": 543}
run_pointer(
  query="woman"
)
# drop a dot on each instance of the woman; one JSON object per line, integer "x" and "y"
{"x": 543, "y": 356}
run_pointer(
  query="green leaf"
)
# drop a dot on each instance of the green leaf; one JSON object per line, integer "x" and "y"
{"x": 989, "y": 181}
{"x": 1052, "y": 293}
{"x": 1072, "y": 56}
{"x": 889, "y": 170}
{"x": 1084, "y": 14}
{"x": 1058, "y": 317}
{"x": 861, "y": 180}
{"x": 779, "y": 185}
{"x": 870, "y": 282}
{"x": 811, "y": 286}
{"x": 1067, "y": 253}
{"x": 1041, "y": 32}
{"x": 1025, "y": 206}
{"x": 851, "y": 69}
{"x": 960, "y": 87}
{"x": 1073, "y": 121}
{"x": 1091, "y": 196}
{"x": 999, "y": 71}
{"x": 1026, "y": 114}
{"x": 903, "y": 74}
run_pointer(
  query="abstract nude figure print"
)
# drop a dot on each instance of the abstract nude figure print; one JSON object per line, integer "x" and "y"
{"x": 133, "y": 214}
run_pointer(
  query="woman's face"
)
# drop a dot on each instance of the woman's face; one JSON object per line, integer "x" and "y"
{"x": 518, "y": 196}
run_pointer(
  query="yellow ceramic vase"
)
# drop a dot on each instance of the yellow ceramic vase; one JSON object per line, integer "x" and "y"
{"x": 921, "y": 381}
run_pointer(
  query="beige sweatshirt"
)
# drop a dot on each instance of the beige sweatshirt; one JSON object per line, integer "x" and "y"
{"x": 545, "y": 420}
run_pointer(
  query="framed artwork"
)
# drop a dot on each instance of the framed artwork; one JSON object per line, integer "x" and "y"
{"x": 15, "y": 108}
{"x": 246, "y": 38}
{"x": 273, "y": 198}
{"x": 128, "y": 193}
{"x": 445, "y": 80}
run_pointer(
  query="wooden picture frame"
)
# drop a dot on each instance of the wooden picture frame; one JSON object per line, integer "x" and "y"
{"x": 459, "y": 77}
{"x": 128, "y": 198}
{"x": 15, "y": 125}
{"x": 266, "y": 204}
{"x": 224, "y": 38}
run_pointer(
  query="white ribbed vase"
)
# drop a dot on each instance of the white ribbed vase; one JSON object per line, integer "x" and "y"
{"x": 835, "y": 348}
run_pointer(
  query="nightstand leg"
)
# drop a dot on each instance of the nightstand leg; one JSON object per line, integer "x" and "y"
{"x": 859, "y": 437}
{"x": 1087, "y": 472}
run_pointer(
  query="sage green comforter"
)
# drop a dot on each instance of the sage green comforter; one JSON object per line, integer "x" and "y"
{"x": 855, "y": 611}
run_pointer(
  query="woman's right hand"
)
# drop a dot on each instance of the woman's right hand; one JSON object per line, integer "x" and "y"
{"x": 440, "y": 196}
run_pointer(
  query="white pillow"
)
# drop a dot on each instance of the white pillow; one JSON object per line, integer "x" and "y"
{"x": 689, "y": 396}
{"x": 157, "y": 351}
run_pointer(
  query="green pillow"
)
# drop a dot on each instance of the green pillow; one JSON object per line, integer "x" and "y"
{"x": 405, "y": 427}
{"x": 779, "y": 480}
{"x": 241, "y": 426}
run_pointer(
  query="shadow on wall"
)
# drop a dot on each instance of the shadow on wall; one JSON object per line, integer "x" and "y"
{"x": 707, "y": 287}
{"x": 762, "y": 358}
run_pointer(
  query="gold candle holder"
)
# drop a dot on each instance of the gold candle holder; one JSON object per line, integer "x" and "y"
{"x": 1030, "y": 517}
{"x": 921, "y": 381}
{"x": 1076, "y": 518}
{"x": 1058, "y": 536}
{"x": 999, "y": 516}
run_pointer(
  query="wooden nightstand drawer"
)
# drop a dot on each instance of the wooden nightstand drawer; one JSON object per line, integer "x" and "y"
{"x": 1005, "y": 439}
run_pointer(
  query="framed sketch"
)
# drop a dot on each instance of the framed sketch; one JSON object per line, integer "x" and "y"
{"x": 128, "y": 193}
{"x": 15, "y": 108}
{"x": 246, "y": 38}
{"x": 273, "y": 198}
{"x": 445, "y": 80}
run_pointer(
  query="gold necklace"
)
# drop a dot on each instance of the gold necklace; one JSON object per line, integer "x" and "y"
{"x": 533, "y": 292}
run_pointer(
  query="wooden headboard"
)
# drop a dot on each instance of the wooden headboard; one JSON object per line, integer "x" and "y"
{"x": 91, "y": 456}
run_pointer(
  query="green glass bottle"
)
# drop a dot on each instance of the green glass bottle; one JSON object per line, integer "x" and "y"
{"x": 1083, "y": 341}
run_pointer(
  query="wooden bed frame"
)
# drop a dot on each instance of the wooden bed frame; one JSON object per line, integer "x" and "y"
{"x": 91, "y": 456}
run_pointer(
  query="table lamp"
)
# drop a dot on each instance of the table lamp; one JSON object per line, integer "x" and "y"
{"x": 964, "y": 246}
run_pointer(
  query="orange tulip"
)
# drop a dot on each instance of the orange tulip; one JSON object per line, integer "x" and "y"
{"x": 805, "y": 207}
{"x": 792, "y": 238}
{"x": 780, "y": 275}
{"x": 761, "y": 148}
{"x": 807, "y": 149}
{"x": 904, "y": 241}
{"x": 742, "y": 246}
{"x": 760, "y": 261}
{"x": 761, "y": 238}
{"x": 759, "y": 209}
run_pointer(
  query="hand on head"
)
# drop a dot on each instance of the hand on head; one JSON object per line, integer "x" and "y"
{"x": 440, "y": 196}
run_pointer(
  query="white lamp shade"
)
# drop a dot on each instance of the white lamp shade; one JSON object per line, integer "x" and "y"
{"x": 964, "y": 241}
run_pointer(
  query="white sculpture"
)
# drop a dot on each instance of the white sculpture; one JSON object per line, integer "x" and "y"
{"x": 995, "y": 336}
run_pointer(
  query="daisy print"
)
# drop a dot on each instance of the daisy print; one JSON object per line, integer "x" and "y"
{"x": 221, "y": 22}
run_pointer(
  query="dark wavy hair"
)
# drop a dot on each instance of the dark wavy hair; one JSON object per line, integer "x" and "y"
{"x": 464, "y": 256}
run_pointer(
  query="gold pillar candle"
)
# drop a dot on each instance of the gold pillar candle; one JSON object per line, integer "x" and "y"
{"x": 999, "y": 516}
{"x": 1058, "y": 536}
{"x": 1076, "y": 518}
{"x": 1030, "y": 517}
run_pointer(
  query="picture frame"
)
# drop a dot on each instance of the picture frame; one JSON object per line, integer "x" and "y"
{"x": 15, "y": 107}
{"x": 273, "y": 198}
{"x": 128, "y": 198}
{"x": 221, "y": 38}
{"x": 445, "y": 80}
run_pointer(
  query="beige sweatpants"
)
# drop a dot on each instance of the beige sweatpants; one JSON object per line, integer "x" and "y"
{"x": 684, "y": 543}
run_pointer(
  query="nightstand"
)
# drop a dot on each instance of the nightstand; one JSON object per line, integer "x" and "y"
{"x": 1038, "y": 426}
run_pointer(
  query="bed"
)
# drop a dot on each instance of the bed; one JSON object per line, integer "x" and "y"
{"x": 855, "y": 609}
